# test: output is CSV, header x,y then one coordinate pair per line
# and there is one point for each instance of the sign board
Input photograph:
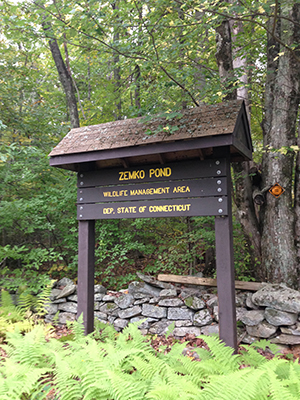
x,y
154,191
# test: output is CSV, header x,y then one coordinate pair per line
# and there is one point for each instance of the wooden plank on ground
x,y
194,280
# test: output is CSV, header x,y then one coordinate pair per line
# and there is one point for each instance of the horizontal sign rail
x,y
153,173
153,191
202,206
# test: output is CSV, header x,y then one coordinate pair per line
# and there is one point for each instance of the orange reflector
x,y
276,190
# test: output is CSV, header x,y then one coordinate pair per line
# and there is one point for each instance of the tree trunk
x,y
246,212
281,107
225,59
64,77
117,71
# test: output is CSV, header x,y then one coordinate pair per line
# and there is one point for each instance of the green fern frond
x,y
6,300
251,357
222,354
264,344
42,299
15,382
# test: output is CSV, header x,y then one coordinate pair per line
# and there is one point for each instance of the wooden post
x,y
86,267
225,268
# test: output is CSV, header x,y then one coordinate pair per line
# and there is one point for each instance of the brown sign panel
x,y
153,173
202,206
152,191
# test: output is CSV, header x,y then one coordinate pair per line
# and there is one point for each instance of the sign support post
x,y
86,268
225,268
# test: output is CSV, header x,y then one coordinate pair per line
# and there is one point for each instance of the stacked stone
x,y
274,315
270,313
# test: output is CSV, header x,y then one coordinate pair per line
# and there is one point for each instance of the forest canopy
x,y
77,63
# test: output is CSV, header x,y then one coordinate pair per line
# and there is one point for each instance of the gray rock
x,y
160,327
124,301
240,300
188,292
98,296
170,302
48,318
100,289
115,312
175,313
65,316
253,317
64,282
213,301
192,330
153,311
262,330
67,291
248,339
216,313
209,330
166,293
184,322
111,319
96,306
154,282
240,312
154,300
202,318
291,330
109,297
69,307
286,339
145,322
51,308
249,302
143,288
130,312
279,297
108,308
100,315
141,301
54,293
59,301
194,303
140,295
277,317
74,297
120,323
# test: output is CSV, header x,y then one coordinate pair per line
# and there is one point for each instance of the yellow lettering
x,y
170,207
107,210
159,172
127,175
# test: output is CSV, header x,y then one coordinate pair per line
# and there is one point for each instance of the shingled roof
x,y
191,133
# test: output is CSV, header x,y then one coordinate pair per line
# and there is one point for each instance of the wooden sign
x,y
121,193
154,191
153,173
200,206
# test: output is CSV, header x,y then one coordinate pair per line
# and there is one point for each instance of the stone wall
x,y
271,313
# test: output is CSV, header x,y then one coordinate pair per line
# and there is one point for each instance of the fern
x,y
111,366
36,303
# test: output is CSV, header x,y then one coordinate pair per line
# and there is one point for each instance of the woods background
x,y
71,63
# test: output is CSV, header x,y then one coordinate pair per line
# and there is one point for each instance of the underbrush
x,y
106,365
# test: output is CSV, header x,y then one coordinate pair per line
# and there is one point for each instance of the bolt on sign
x,y
276,190
124,173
